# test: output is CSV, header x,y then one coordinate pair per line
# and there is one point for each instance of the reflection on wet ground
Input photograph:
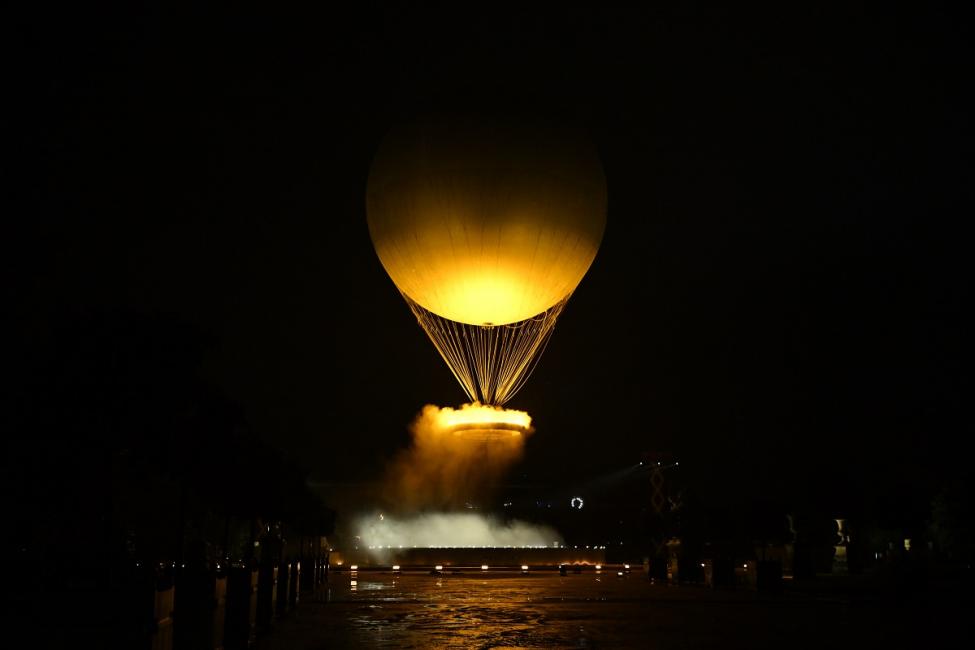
x,y
545,610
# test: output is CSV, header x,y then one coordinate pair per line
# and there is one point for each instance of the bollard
x,y
239,625
284,588
307,585
135,603
267,594
162,632
193,609
768,576
252,613
722,572
658,570
690,570
293,587
219,611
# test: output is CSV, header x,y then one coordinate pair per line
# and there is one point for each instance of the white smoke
x,y
443,471
451,530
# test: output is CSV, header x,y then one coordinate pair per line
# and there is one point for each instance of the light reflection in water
x,y
470,611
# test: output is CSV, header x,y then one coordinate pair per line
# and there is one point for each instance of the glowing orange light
x,y
486,225
486,231
480,421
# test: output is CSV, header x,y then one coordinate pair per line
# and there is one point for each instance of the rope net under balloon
x,y
491,362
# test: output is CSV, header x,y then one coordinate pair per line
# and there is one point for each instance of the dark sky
x,y
777,299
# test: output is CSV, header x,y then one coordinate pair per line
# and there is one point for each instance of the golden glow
x,y
491,363
486,226
480,297
482,421
456,454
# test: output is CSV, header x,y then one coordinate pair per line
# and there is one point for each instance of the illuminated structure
x,y
486,231
480,422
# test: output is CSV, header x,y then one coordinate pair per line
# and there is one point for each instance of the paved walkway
x,y
386,610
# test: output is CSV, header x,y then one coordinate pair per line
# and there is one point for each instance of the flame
x,y
484,417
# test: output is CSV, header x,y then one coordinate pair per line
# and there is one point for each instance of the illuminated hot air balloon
x,y
486,230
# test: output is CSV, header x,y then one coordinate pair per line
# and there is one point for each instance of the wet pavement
x,y
546,610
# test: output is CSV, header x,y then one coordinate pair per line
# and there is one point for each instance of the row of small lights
x,y
485,567
381,547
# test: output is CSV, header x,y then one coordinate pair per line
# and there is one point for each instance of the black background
x,y
777,301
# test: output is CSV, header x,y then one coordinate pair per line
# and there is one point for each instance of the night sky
x,y
777,300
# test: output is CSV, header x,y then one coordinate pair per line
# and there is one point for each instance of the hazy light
x,y
439,567
599,567
484,567
395,567
453,530
354,567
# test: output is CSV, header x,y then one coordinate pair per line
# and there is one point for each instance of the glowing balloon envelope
x,y
486,230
